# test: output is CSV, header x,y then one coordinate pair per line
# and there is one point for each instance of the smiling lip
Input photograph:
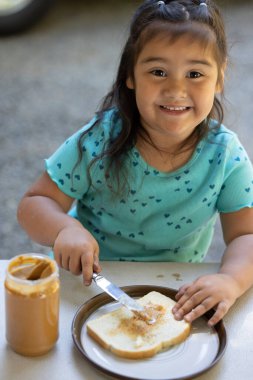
x,y
175,110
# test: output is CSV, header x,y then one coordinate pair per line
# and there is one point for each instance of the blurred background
x,y
53,76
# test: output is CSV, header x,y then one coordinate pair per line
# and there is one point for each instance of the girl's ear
x,y
130,83
221,80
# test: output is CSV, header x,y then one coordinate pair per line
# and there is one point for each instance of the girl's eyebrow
x,y
200,62
164,60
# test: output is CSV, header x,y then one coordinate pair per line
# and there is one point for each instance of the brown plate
x,y
201,351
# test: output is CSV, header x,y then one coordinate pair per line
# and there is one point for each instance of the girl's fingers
x,y
189,296
186,291
207,292
186,305
181,291
199,310
57,258
65,260
221,310
207,304
75,265
96,265
87,267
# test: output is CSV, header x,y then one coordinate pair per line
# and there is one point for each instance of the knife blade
x,y
116,293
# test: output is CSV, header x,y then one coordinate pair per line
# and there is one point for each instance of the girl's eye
x,y
158,73
194,74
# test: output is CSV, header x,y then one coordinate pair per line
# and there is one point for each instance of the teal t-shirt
x,y
165,216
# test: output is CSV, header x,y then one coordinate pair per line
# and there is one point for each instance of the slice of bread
x,y
129,336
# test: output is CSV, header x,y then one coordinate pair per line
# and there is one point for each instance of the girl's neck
x,y
164,158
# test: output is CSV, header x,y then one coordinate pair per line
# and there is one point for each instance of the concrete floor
x,y
53,77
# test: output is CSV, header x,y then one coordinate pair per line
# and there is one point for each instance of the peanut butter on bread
x,y
131,336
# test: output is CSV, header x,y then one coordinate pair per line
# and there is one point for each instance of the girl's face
x,y
175,84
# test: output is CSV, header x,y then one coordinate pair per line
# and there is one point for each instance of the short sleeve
x,y
65,168
237,188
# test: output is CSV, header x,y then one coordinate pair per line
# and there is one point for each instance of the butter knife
x,y
116,293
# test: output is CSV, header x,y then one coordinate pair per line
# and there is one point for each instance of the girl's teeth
x,y
175,108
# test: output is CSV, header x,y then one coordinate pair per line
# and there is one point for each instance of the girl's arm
x,y
235,276
42,213
237,260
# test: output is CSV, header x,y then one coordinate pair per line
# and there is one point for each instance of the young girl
x,y
154,167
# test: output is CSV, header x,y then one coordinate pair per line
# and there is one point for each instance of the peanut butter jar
x,y
32,304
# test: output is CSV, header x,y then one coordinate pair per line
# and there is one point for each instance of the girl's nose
x,y
174,89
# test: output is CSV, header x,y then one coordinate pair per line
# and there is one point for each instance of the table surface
x,y
65,362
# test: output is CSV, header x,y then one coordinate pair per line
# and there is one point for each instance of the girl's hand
x,y
77,251
218,291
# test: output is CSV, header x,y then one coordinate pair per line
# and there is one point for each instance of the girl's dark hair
x,y
198,19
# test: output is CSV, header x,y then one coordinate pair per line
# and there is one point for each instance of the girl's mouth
x,y
175,109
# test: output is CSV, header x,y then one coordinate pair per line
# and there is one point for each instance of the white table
x,y
64,362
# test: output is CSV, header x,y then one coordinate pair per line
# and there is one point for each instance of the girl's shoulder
x,y
224,142
221,135
106,124
220,131
109,121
